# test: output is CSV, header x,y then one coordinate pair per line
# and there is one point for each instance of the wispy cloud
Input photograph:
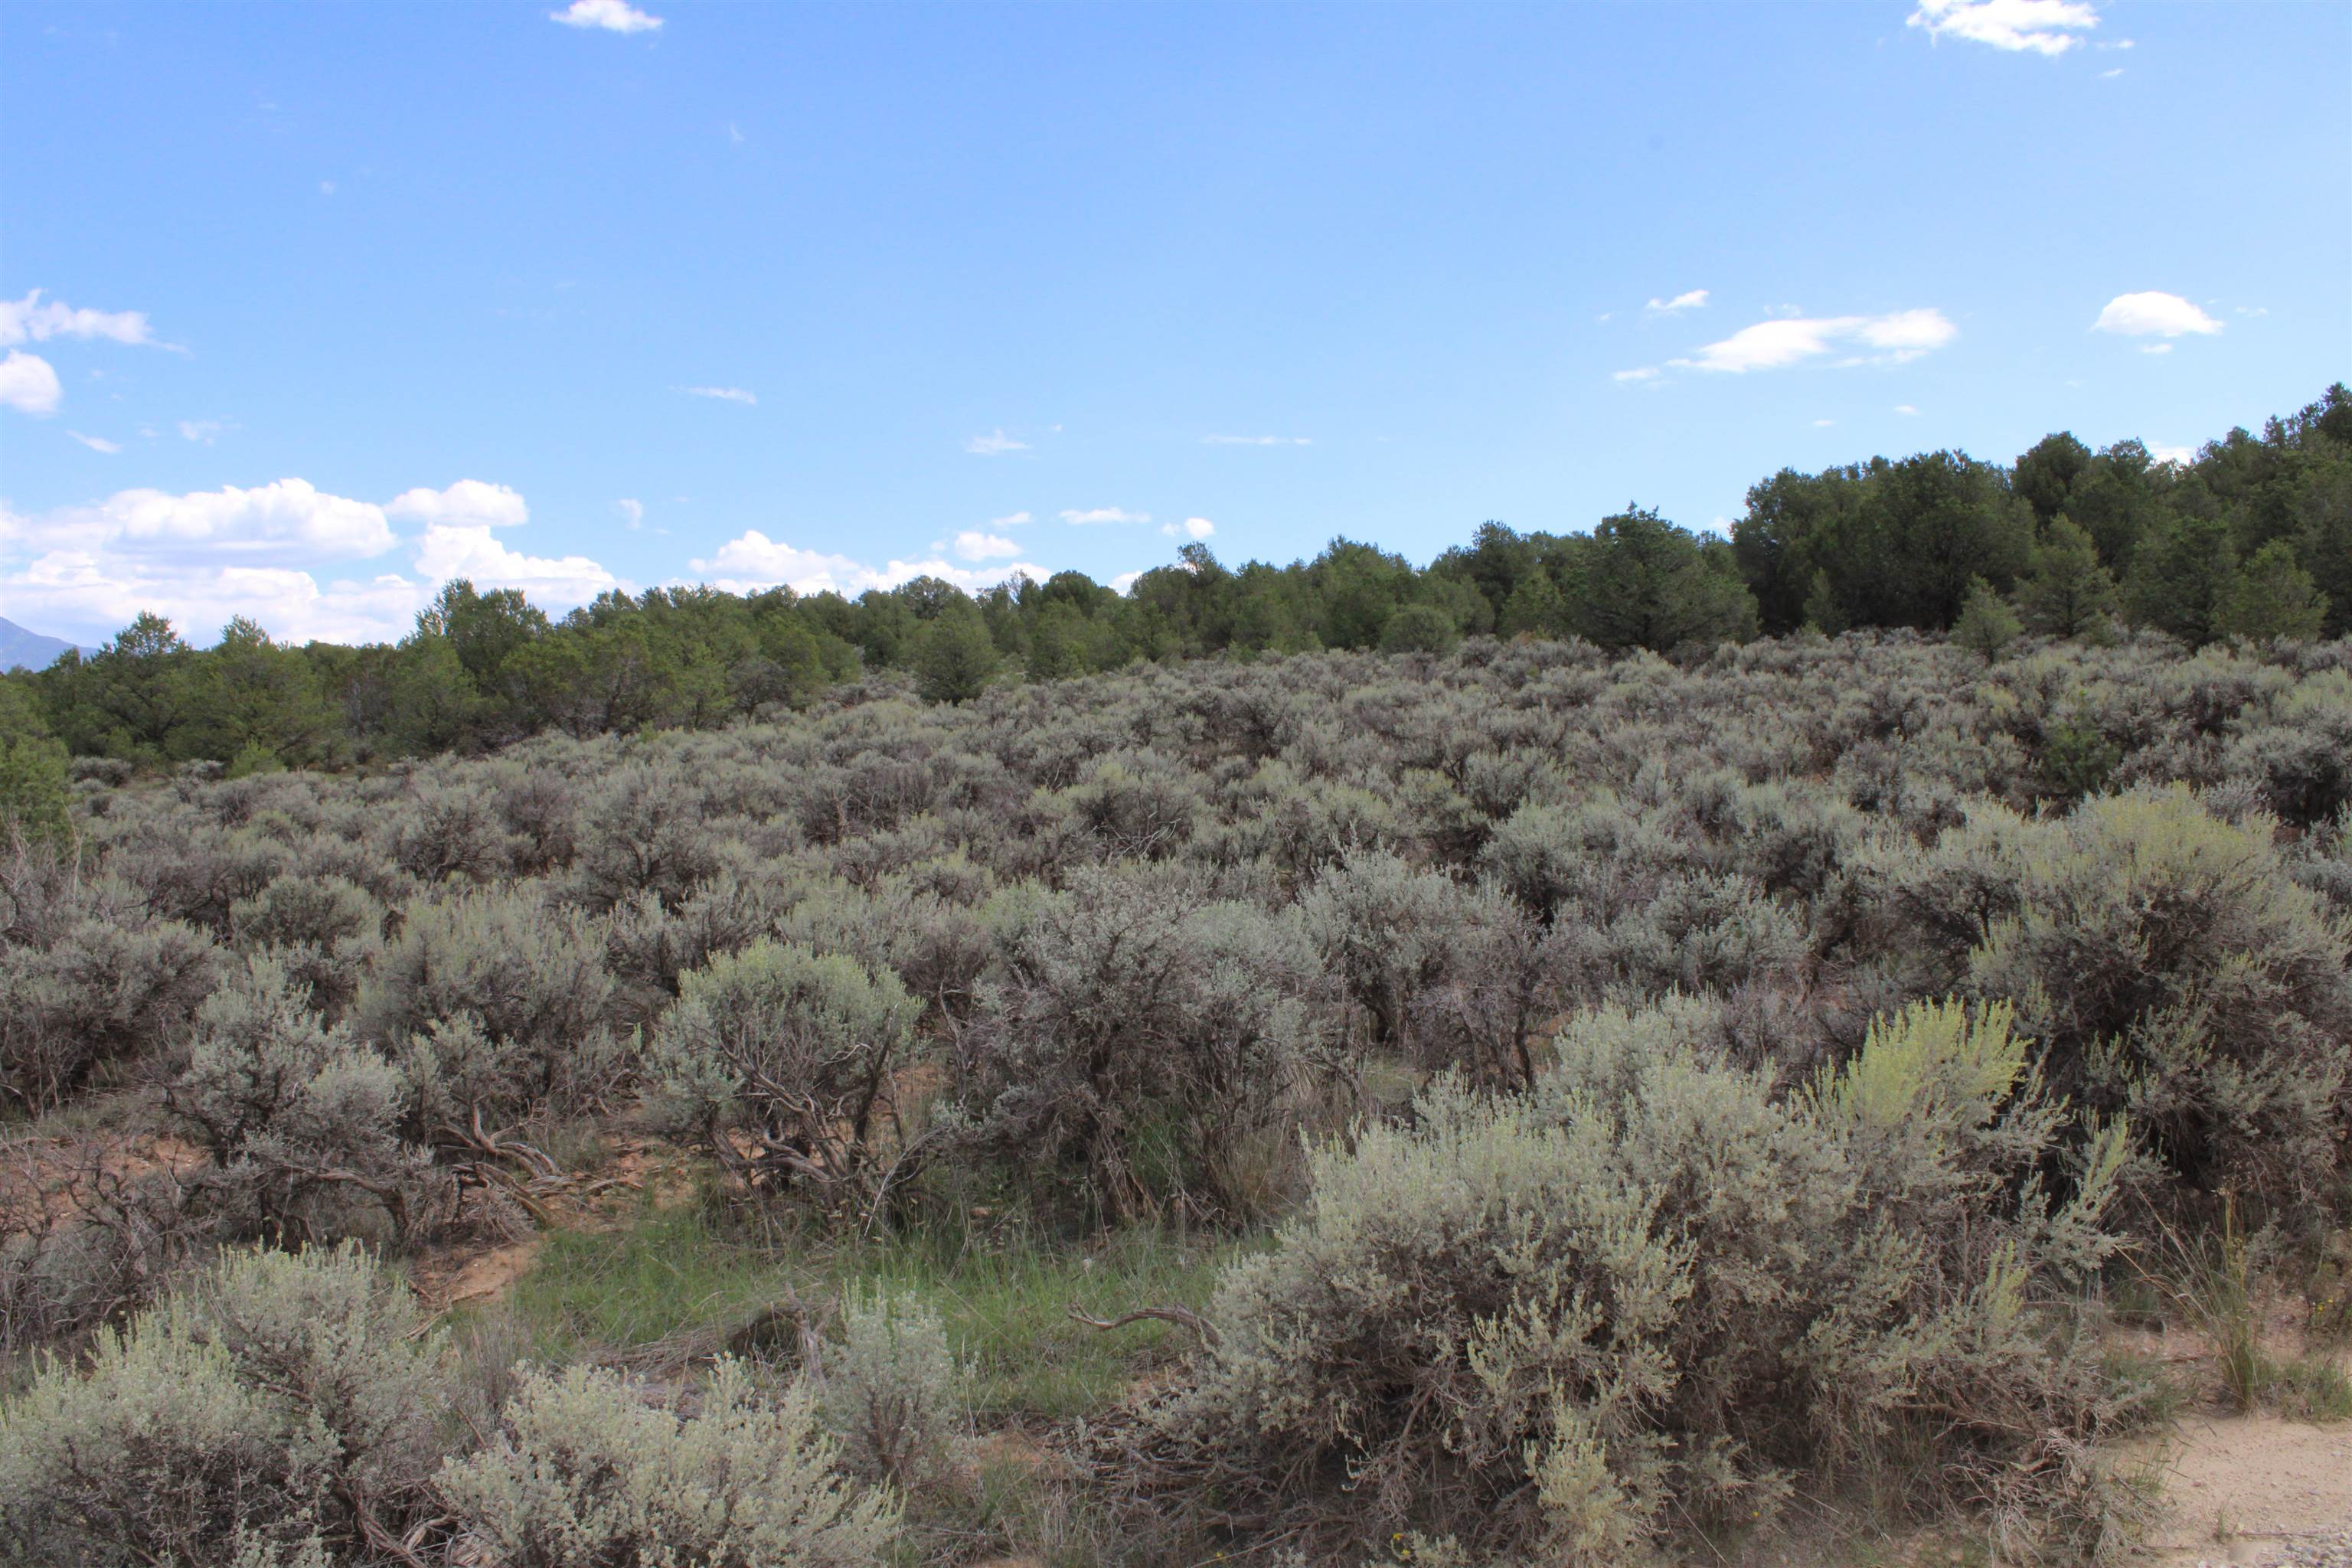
x,y
631,509
1646,372
723,393
995,444
2156,348
96,443
30,319
204,431
1105,514
2153,314
1257,440
1905,410
1011,520
607,15
1891,339
1823,424
1693,300
28,384
1190,528
2020,26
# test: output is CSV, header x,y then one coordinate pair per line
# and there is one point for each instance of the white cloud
x,y
28,384
1646,372
1898,337
326,187
1011,520
1105,514
2110,76
1906,409
83,589
203,557
1258,440
2036,27
2153,314
2252,311
204,430
29,320
994,444
96,443
472,551
1693,300
1823,424
723,393
611,15
975,545
288,517
1123,581
751,560
466,501
634,511
2156,348
2164,454
1190,528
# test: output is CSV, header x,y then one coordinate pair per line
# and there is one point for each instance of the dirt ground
x,y
2252,1490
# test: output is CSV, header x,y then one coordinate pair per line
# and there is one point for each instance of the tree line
x,y
2253,538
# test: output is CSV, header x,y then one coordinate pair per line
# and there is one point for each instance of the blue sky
x,y
309,308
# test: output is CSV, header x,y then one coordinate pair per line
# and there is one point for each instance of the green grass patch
x,y
1005,1304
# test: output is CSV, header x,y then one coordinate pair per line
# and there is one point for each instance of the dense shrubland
x,y
1659,1087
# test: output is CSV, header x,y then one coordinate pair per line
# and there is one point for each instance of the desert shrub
x,y
1138,806
92,1227
2304,754
88,981
939,947
1651,1295
2175,971
651,946
589,1472
641,830
452,829
196,872
1701,932
281,1410
1387,934
1139,1040
893,1394
779,1061
532,977
1596,858
323,929
302,1119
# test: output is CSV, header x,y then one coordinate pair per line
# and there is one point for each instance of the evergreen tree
x,y
1536,609
1986,623
33,788
2178,576
2272,596
2067,592
1823,612
1650,584
953,655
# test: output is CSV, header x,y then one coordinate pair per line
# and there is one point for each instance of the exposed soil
x,y
2247,1490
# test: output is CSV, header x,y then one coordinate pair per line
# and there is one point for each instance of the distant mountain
x,y
21,649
